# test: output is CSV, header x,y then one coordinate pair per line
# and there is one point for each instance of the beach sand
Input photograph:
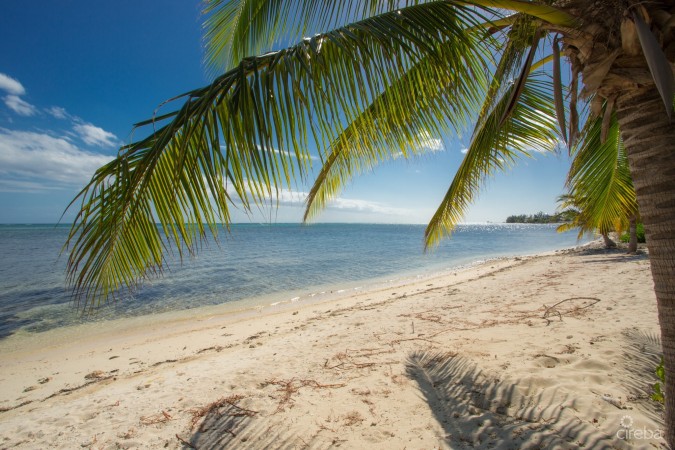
x,y
548,351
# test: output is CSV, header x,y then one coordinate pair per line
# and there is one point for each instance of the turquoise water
x,y
272,261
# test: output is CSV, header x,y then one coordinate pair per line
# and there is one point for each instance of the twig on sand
x,y
553,308
346,362
289,387
398,341
184,442
162,417
66,391
424,315
231,402
347,359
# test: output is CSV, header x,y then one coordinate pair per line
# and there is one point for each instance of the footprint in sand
x,y
546,361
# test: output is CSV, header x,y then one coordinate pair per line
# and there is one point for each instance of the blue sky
x,y
75,75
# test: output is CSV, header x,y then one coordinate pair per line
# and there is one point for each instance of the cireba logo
x,y
627,431
626,422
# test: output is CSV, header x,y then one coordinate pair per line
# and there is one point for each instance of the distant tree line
x,y
540,217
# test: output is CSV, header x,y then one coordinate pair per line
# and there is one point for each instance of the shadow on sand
x,y
642,354
473,409
228,425
478,412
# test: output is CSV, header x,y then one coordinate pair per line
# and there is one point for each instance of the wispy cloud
x,y
10,85
358,205
425,144
19,106
289,197
429,143
93,135
58,112
30,161
13,101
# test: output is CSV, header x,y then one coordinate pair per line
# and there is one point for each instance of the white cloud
x,y
425,144
288,197
10,85
58,112
94,135
31,161
19,106
430,144
464,151
13,100
347,204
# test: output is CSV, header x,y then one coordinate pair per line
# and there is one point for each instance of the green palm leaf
x,y
505,130
599,180
235,29
436,95
240,139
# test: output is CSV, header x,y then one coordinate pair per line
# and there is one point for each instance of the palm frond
x,y
504,130
235,29
240,139
437,95
599,179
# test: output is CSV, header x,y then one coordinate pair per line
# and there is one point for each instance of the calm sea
x,y
270,263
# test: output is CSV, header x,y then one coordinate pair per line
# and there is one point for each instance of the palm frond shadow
x,y
220,427
231,426
642,354
478,412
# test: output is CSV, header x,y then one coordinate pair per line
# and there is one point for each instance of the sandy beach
x,y
547,351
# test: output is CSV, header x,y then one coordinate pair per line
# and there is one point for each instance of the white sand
x,y
466,360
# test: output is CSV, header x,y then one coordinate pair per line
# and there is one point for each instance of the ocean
x,y
253,266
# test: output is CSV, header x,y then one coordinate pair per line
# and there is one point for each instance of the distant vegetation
x,y
540,217
640,231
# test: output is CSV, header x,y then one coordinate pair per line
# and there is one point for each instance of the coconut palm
x,y
379,83
600,194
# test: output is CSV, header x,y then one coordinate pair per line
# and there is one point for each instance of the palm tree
x,y
573,217
384,78
600,194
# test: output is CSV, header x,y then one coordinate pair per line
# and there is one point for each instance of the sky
x,y
76,75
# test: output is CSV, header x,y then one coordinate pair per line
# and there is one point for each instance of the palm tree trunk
x,y
650,143
609,243
632,233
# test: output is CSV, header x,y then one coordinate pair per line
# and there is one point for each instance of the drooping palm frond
x,y
240,139
436,95
235,29
569,214
509,126
599,181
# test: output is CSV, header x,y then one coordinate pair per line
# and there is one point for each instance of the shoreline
x,y
138,382
281,299
299,273
267,304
